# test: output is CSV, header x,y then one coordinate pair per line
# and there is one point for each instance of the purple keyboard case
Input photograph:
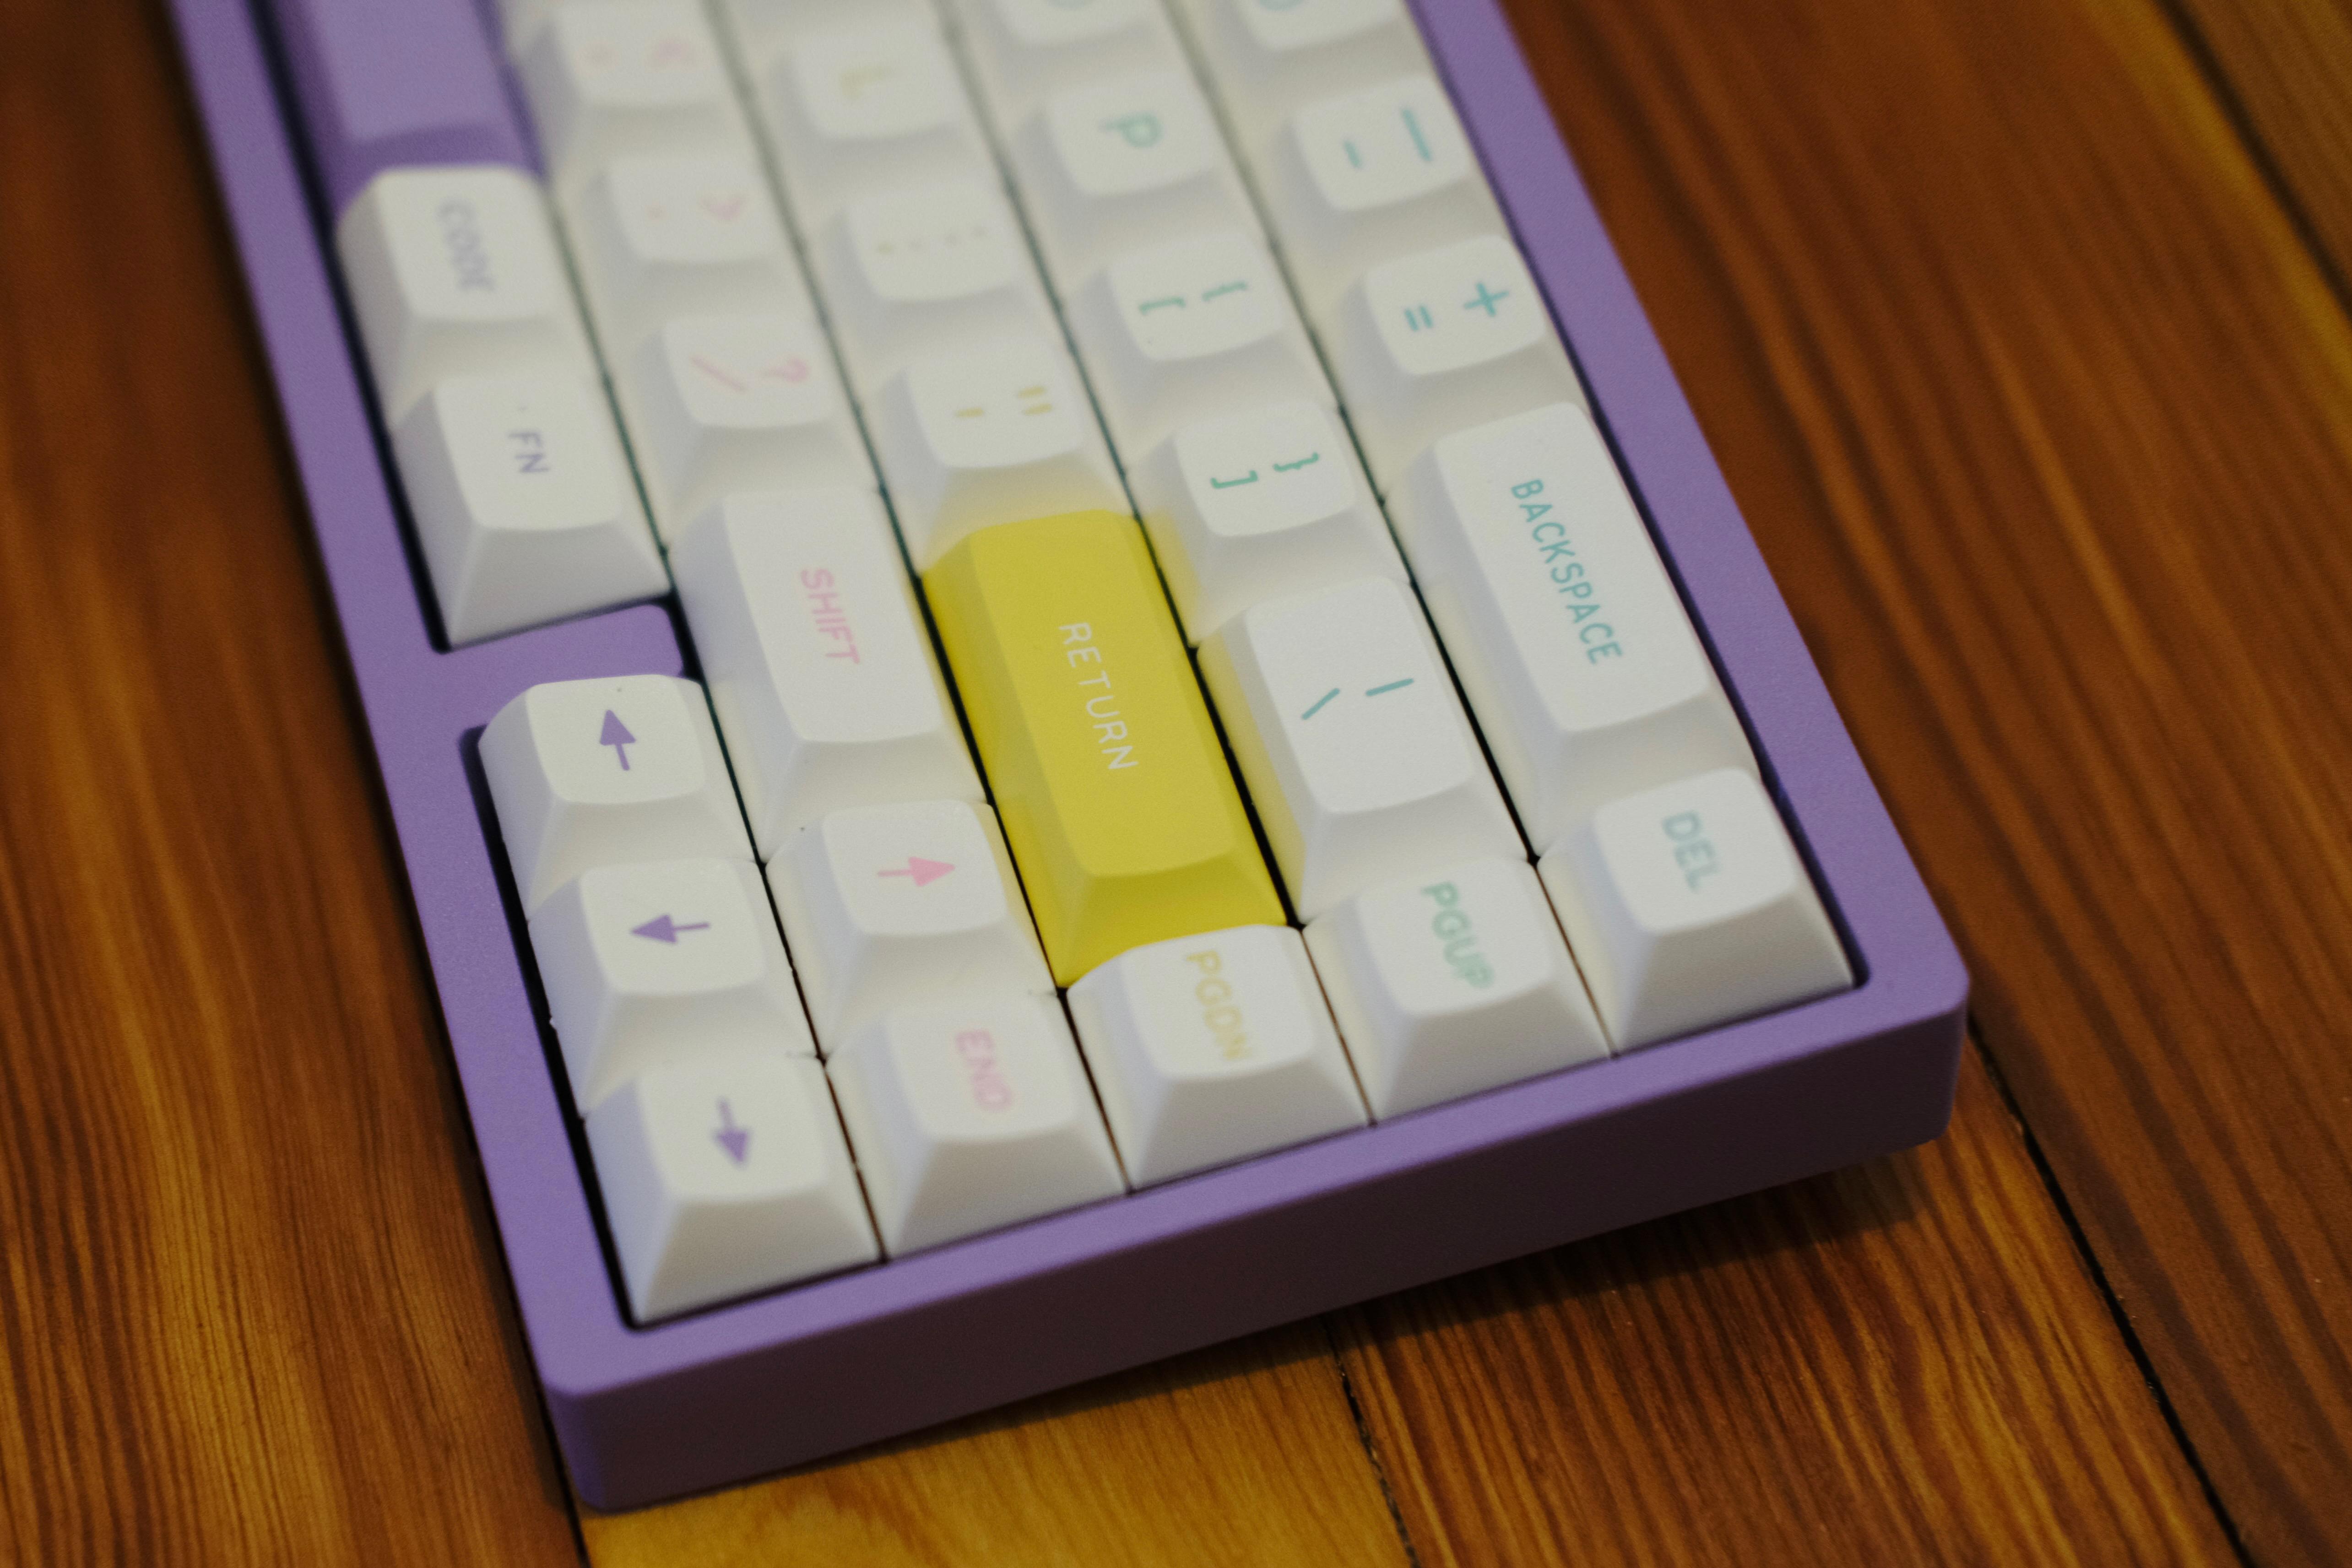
x,y
646,1414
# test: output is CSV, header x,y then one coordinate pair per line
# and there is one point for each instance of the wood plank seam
x,y
1329,1324
2259,152
2097,1273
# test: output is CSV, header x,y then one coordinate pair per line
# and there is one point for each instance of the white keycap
x,y
1211,1049
1370,176
1352,742
890,906
521,20
1022,51
454,272
523,503
1178,331
1689,908
1268,59
764,31
971,1113
610,77
869,108
725,1177
1443,340
722,404
1257,504
1565,630
927,270
604,773
819,665
672,235
1451,982
992,434
663,961
1121,163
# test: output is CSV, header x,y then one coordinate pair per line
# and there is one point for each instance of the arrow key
x,y
601,772
725,1175
887,905
660,962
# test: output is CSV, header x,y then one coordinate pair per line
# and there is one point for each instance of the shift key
x,y
1117,800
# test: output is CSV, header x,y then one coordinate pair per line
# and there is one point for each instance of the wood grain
x,y
2284,67
2040,411
2043,415
251,1310
1244,1455
1901,1363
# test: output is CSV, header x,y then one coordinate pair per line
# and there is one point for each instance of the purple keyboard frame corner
x,y
646,1414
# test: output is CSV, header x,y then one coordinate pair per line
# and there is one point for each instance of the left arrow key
x,y
662,928
663,962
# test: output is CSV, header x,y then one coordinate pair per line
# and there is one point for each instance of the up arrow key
x,y
616,736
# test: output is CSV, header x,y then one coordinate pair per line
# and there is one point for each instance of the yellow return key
x,y
1114,794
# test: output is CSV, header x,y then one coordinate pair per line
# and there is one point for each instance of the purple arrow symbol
x,y
735,1140
662,928
616,736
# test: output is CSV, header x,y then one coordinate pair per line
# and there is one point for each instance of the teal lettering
x,y
1135,130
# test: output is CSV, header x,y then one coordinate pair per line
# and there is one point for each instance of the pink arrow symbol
x,y
735,1140
662,928
716,374
925,873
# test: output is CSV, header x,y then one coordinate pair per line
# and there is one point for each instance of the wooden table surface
x,y
2023,330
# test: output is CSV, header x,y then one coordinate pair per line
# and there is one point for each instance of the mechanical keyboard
x,y
1059,677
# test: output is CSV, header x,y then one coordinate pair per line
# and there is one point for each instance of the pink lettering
x,y
825,613
977,1048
